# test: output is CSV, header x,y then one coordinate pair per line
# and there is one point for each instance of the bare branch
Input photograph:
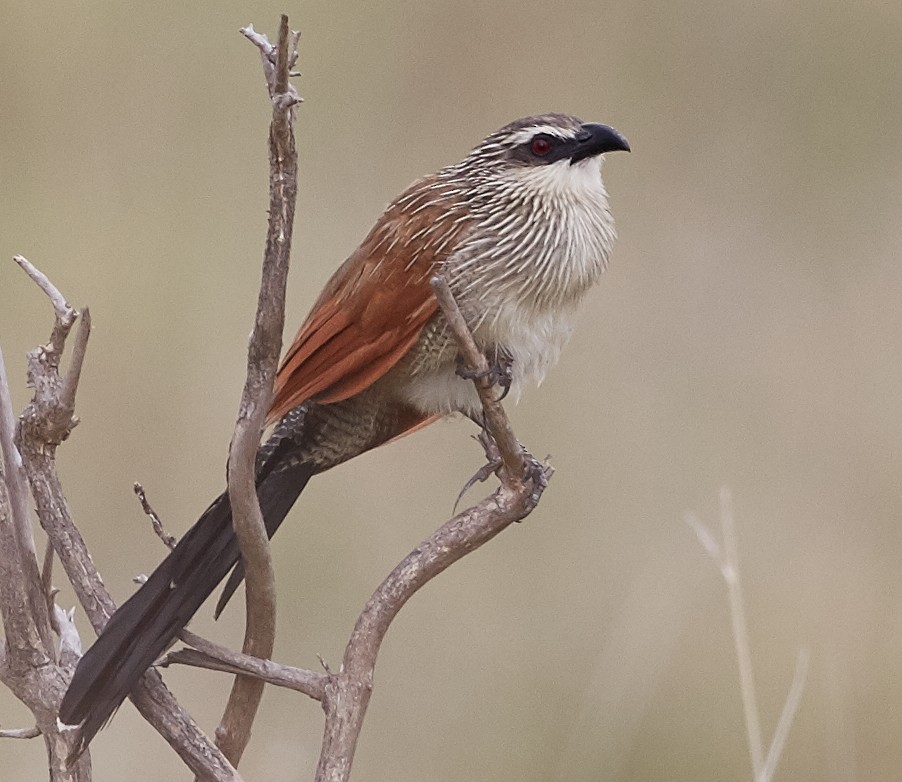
x,y
168,540
265,346
206,654
20,733
25,616
65,314
45,423
160,708
73,374
348,691
269,56
28,665
47,417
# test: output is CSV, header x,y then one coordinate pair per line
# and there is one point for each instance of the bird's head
x,y
559,141
550,159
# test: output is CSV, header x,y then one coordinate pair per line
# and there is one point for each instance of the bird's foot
x,y
499,372
492,464
538,473
480,476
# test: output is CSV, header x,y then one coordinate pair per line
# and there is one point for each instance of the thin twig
x,y
709,544
279,89
730,571
259,40
265,345
727,560
65,314
787,716
76,361
323,664
168,540
19,733
511,452
47,357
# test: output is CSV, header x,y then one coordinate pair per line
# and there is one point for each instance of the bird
x,y
520,228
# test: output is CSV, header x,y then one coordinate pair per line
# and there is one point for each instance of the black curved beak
x,y
594,139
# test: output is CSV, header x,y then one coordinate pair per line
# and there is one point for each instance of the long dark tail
x,y
307,440
147,623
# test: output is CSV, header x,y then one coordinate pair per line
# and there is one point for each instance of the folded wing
x,y
372,310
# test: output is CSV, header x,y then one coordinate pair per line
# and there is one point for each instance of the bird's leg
x,y
499,373
537,471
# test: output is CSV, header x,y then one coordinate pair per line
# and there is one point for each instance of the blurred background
x,y
746,334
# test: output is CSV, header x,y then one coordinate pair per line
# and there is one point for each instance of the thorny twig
x,y
168,540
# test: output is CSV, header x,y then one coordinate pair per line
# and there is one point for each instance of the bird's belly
x,y
533,341
441,391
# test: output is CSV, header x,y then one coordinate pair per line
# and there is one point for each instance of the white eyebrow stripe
x,y
525,134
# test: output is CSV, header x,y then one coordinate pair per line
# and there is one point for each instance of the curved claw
x,y
505,379
538,471
499,372
480,476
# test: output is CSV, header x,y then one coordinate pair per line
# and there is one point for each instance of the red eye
x,y
540,146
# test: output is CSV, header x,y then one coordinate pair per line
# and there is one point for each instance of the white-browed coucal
x,y
520,228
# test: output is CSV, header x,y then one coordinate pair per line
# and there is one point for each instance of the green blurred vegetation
x,y
747,333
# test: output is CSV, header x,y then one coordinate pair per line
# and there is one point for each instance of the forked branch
x,y
265,346
45,423
345,695
50,417
347,692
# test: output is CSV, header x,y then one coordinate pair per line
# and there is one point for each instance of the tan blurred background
x,y
748,333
